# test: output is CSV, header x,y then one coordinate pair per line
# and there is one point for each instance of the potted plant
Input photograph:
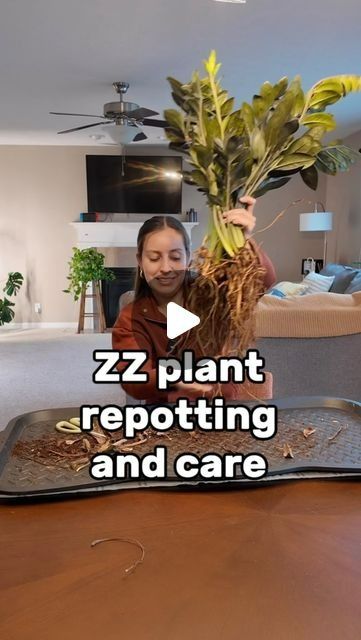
x,y
87,266
12,286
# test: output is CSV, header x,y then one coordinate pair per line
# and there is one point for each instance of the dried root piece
x,y
129,541
287,451
308,431
80,464
331,438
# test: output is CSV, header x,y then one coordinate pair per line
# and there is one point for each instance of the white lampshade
x,y
316,221
121,133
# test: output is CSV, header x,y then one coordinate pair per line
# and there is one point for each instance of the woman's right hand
x,y
195,389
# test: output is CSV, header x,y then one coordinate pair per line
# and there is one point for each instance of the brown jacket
x,y
141,326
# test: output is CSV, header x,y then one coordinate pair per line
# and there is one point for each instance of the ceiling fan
x,y
124,117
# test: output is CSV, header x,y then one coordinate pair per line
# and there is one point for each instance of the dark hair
x,y
157,223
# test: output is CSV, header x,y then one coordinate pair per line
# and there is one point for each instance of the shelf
x,y
112,234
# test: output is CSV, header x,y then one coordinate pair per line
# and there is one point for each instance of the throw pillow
x,y
316,283
343,276
288,289
355,284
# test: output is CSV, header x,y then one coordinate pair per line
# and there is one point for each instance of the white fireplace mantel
x,y
112,234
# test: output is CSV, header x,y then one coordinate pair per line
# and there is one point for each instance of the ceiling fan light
x,y
121,133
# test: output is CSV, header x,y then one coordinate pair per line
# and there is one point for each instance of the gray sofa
x,y
314,366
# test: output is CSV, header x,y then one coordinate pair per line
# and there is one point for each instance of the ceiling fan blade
x,y
86,115
140,136
141,113
150,122
86,126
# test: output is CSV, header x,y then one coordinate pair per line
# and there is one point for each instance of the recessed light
x,y
96,136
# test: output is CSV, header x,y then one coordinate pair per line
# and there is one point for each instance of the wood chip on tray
x,y
308,431
287,451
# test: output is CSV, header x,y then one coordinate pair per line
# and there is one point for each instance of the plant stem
x,y
222,236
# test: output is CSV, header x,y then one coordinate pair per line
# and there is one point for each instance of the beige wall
x,y
42,189
343,197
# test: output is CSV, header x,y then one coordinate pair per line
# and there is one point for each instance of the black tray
x,y
315,457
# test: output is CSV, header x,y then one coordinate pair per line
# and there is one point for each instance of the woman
x,y
164,257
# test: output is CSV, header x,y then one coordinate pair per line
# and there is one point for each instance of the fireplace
x,y
112,290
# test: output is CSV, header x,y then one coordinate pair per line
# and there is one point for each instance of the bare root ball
x,y
224,295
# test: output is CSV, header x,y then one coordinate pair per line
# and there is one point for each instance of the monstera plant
x,y
12,286
246,151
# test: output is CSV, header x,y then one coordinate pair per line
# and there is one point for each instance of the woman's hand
x,y
243,217
195,389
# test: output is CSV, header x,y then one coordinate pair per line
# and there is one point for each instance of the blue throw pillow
x,y
355,284
276,292
343,276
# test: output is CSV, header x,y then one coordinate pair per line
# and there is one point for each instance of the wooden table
x,y
277,562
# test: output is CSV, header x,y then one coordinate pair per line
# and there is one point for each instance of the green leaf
x,y
310,177
280,116
287,130
257,143
281,87
211,63
13,283
260,106
248,118
236,124
174,119
295,161
227,107
6,313
266,90
329,90
336,158
195,177
324,120
270,184
326,166
177,87
303,144
316,132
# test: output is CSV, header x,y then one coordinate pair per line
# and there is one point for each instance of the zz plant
x,y
249,150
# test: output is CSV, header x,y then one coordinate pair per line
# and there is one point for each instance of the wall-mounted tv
x,y
134,184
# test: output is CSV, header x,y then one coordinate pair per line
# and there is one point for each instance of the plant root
x,y
224,295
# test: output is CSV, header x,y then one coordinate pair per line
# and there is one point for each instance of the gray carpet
x,y
45,368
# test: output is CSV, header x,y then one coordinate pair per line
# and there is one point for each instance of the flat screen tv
x,y
134,184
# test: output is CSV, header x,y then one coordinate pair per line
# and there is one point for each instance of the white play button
x,y
179,320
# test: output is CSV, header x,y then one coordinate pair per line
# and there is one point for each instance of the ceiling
x,y
64,56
